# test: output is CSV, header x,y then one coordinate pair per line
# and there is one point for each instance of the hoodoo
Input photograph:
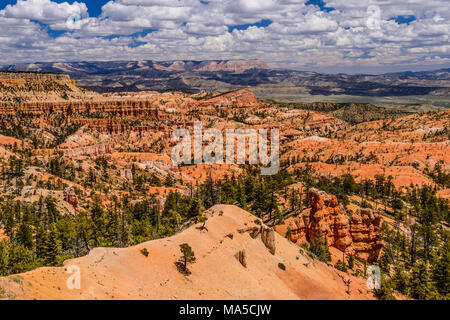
x,y
356,235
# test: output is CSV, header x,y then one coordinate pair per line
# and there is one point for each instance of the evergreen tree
x,y
421,283
24,236
20,259
441,271
50,247
188,255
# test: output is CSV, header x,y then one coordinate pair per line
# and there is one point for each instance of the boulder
x,y
268,238
241,256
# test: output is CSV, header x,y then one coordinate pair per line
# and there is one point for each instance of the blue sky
x,y
353,36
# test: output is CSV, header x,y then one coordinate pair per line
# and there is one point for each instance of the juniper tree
x,y
202,219
188,255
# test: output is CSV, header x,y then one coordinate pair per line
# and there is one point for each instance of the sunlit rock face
x,y
327,219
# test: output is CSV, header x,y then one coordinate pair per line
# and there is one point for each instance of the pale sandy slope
x,y
127,274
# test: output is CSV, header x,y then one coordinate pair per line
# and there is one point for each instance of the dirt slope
x,y
217,274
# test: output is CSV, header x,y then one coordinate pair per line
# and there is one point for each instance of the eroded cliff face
x,y
40,94
117,107
238,98
99,151
357,235
107,126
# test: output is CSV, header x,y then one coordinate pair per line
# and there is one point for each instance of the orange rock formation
x,y
95,151
119,107
326,218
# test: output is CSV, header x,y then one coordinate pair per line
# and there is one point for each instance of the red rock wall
x,y
110,127
326,218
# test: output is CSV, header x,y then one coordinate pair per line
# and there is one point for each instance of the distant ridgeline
x,y
352,113
226,75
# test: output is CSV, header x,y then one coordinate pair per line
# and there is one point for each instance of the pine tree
x,y
20,259
112,230
421,284
10,224
83,231
212,194
4,257
401,279
24,236
188,255
202,219
195,208
241,198
99,221
441,271
51,247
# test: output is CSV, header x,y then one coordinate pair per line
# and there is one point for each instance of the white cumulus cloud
x,y
296,36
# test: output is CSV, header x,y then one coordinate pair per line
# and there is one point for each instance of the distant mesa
x,y
211,66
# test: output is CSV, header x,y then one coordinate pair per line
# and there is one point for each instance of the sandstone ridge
x,y
230,265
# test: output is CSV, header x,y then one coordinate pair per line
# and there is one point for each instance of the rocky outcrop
x,y
364,231
126,174
268,238
324,126
71,197
112,107
241,256
105,126
239,98
327,219
103,151
297,228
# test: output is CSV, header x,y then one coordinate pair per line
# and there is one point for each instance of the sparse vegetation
x,y
188,256
145,252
